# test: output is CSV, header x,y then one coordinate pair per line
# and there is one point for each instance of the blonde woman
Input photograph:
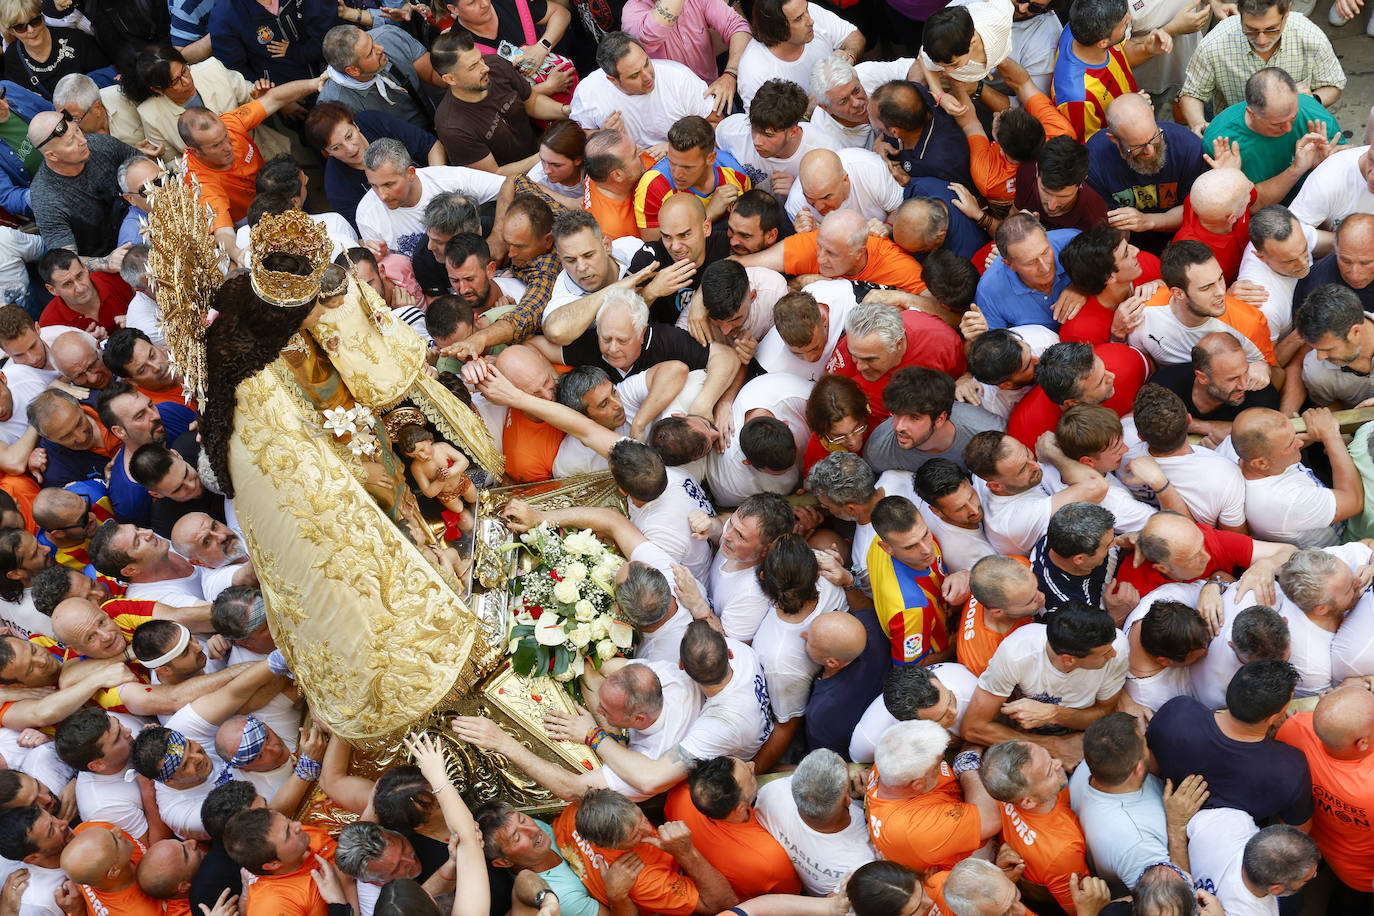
x,y
38,55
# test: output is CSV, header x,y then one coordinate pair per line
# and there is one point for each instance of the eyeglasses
x,y
1252,34
1140,148
82,522
59,131
840,440
33,23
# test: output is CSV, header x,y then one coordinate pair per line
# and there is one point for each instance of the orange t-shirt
x,y
746,854
887,264
530,447
993,173
977,643
111,445
934,830
617,217
132,901
1343,794
294,894
660,888
1242,316
170,396
229,192
1051,845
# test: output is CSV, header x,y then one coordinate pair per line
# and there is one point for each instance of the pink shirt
x,y
684,40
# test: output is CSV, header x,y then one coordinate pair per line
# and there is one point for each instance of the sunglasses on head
x,y
33,23
59,130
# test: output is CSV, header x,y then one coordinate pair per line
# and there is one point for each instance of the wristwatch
x,y
545,43
541,895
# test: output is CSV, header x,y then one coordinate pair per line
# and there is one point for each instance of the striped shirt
x,y
657,186
1082,91
1224,60
909,604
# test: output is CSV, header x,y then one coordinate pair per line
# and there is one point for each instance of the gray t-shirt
x,y
86,210
1330,385
885,454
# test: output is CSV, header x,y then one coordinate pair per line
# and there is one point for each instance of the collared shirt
x,y
538,276
1224,60
1006,302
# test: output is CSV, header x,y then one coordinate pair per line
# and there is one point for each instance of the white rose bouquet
x,y
564,606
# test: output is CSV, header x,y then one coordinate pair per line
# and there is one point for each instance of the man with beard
x,y
1278,257
926,422
591,262
1212,386
215,547
133,419
1143,169
755,222
472,275
130,354
1336,371
175,485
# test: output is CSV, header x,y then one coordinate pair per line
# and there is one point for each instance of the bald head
x,y
96,858
82,625
166,869
1129,110
528,370
42,125
1167,534
1218,343
1220,194
1344,721
1259,432
1356,232
835,639
824,181
682,208
920,224
77,356
844,229
55,507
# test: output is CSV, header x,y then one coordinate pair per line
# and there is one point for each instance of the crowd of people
x,y
971,375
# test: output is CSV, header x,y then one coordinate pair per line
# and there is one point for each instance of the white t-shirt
x,y
1022,661
1212,487
538,176
1169,343
214,581
281,713
787,668
1216,846
176,592
1000,402
664,521
645,119
1352,646
873,192
681,706
960,547
180,808
1172,680
1213,672
565,288
768,286
38,899
837,296
823,860
1014,523
1278,308
736,721
758,65
142,314
665,642
877,719
401,228
25,619
17,250
1293,507
872,74
735,137
784,396
1309,644
1130,513
340,233
1034,45
101,797
740,603
1334,190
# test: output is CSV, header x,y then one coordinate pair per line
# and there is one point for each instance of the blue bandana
x,y
176,752
254,736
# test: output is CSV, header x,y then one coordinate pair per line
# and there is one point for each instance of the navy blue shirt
x,y
346,186
942,149
963,237
839,701
1122,186
1323,272
131,501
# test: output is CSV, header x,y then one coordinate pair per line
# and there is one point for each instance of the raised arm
x,y
349,792
499,390
66,700
721,367
520,517
225,702
665,381
475,899
278,97
486,734
165,699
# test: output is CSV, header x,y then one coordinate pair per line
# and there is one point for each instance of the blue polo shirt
x,y
1007,302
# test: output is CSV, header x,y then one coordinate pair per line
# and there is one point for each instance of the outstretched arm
x,y
486,734
520,517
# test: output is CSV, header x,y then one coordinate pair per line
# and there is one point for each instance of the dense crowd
x,y
971,373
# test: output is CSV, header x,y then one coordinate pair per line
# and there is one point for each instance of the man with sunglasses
x,y
1263,35
75,194
68,516
133,176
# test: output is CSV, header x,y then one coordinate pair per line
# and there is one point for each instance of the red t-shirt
x,y
929,342
114,302
1036,413
1226,550
1093,323
1228,248
1088,211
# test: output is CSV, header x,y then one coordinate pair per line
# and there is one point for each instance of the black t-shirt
x,y
508,25
433,854
1323,272
839,701
1179,380
662,342
216,873
1061,587
73,51
668,308
167,512
496,126
1262,778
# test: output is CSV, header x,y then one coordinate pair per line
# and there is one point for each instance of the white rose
x,y
524,618
575,571
566,592
606,649
601,627
548,631
580,635
603,578
622,634
565,675
575,668
579,543
584,610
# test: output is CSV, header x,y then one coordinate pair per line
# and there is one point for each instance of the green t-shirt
x,y
1261,158
14,130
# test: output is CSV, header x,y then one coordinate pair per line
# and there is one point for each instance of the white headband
x,y
183,640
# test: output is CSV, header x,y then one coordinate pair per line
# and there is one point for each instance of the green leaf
x,y
520,631
526,658
541,663
560,659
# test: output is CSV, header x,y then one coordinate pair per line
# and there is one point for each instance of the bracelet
x,y
545,43
938,97
967,761
435,790
730,72
307,769
595,737
1167,485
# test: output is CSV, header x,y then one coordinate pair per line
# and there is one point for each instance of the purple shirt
x,y
684,41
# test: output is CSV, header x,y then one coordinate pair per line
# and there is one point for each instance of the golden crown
x,y
292,232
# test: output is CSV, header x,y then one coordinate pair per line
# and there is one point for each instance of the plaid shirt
x,y
538,275
1224,60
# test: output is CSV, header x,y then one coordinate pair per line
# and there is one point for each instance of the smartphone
x,y
509,51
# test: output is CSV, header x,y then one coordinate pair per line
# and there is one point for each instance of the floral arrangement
x,y
353,424
564,606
